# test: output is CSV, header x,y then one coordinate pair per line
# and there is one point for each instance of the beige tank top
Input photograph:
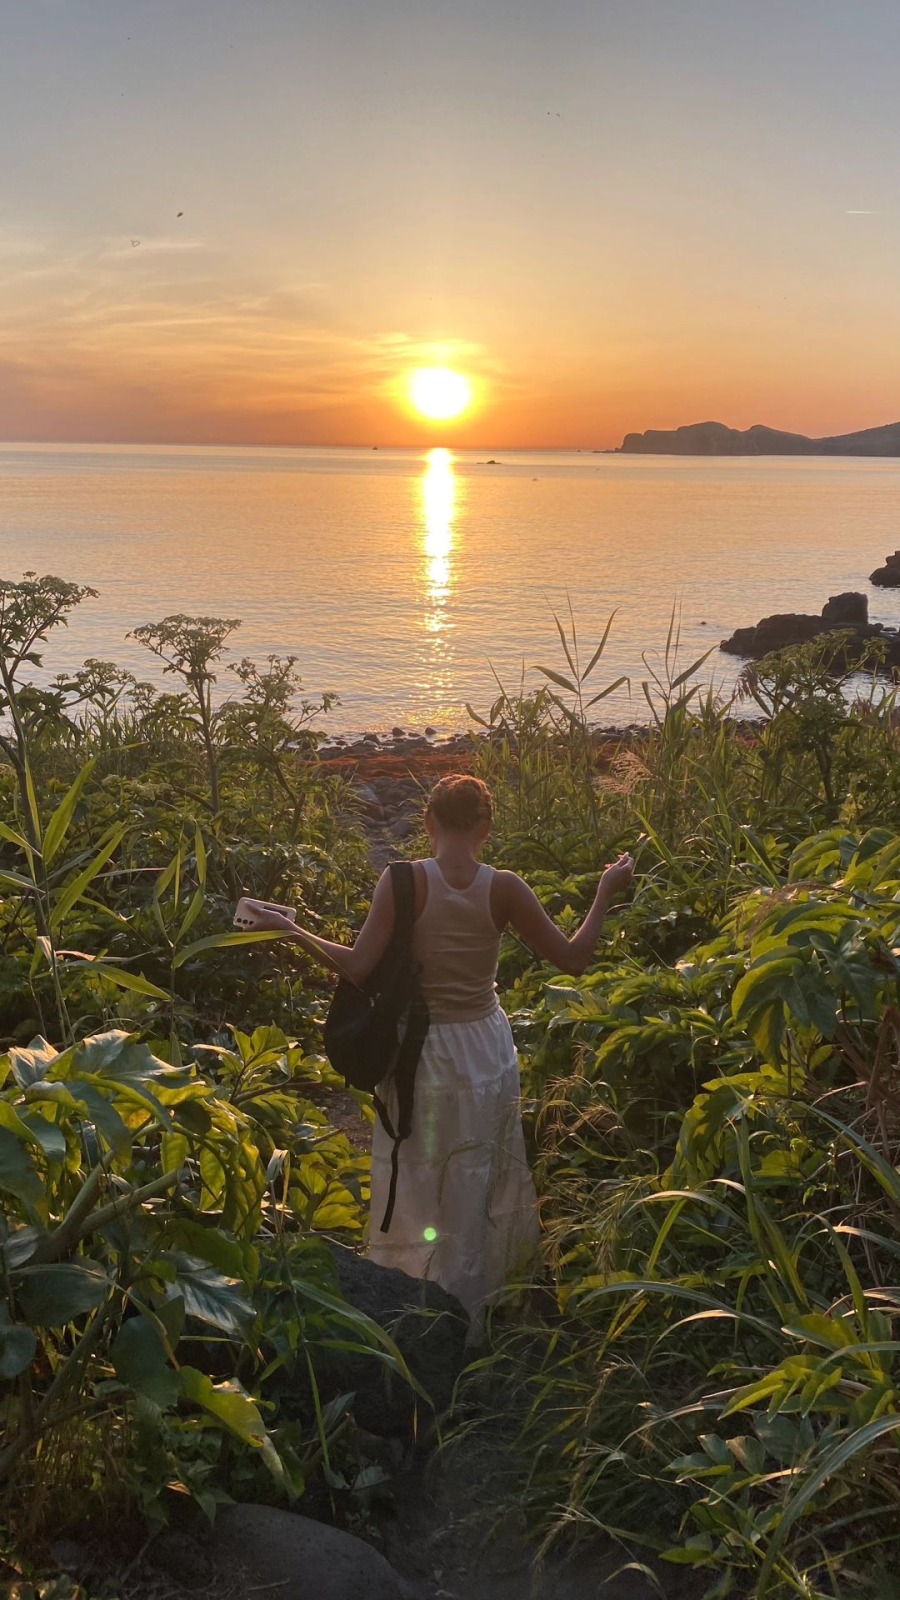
x,y
457,944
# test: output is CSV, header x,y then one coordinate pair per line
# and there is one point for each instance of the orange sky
x,y
611,216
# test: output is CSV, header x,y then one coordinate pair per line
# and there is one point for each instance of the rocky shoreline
x,y
846,615
393,772
888,576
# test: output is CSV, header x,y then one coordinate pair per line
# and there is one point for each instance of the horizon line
x,y
230,444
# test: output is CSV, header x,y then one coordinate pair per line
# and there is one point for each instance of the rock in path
x,y
427,1324
295,1558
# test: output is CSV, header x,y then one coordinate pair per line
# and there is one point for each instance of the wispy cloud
x,y
176,339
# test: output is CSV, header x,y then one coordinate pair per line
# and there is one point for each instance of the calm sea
x,y
409,582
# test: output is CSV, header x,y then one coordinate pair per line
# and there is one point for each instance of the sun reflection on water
x,y
438,572
439,508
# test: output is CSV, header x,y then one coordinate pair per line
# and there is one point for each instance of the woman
x,y
466,1211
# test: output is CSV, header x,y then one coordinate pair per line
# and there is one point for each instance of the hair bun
x,y
461,802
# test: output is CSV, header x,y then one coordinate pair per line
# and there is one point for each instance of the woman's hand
x,y
266,921
616,878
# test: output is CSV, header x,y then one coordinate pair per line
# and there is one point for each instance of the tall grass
x,y
709,1373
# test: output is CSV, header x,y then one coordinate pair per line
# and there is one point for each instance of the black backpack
x,y
375,1033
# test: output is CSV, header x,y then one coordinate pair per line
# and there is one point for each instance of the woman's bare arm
x,y
357,961
523,911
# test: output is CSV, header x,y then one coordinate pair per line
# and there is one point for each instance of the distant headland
x,y
715,439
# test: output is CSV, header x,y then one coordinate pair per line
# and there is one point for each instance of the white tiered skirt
x,y
466,1209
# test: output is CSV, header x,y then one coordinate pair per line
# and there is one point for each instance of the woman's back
x,y
456,942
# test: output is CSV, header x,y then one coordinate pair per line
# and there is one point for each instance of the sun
x,y
439,394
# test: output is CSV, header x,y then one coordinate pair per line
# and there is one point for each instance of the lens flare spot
x,y
430,1234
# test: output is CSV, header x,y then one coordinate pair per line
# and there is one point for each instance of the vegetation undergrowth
x,y
709,1368
167,1171
706,1367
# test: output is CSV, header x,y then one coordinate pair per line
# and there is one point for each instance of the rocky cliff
x,y
715,439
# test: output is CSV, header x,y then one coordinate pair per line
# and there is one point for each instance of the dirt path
x,y
442,1534
445,1538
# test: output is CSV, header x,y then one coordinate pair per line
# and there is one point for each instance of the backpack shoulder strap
x,y
404,887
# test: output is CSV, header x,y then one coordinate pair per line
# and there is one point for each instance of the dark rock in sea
x,y
888,576
846,610
777,632
398,733
430,733
844,615
281,1553
427,1324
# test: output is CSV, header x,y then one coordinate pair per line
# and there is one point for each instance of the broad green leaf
x,y
200,857
14,838
133,981
139,1360
600,648
106,1119
171,1316
72,891
222,941
196,1239
58,826
49,1135
122,1058
750,1452
14,880
20,1245
198,900
54,1295
834,1333
163,882
695,1553
32,1063
43,951
233,1407
51,1094
212,1297
689,671
565,643
610,689
17,1173
213,1176
193,1116
10,1119
557,678
199,897
18,1347
31,800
